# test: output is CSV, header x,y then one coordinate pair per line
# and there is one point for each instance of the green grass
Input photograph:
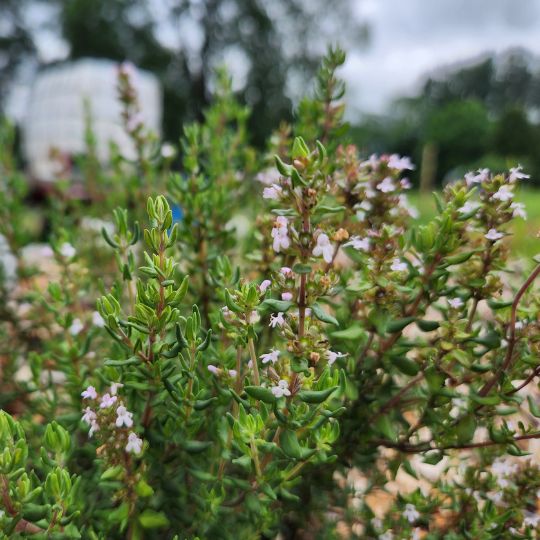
x,y
524,240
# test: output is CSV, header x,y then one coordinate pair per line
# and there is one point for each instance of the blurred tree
x,y
182,41
460,130
16,43
508,79
514,135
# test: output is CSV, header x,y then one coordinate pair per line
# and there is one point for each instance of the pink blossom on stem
x,y
272,356
264,285
89,393
277,320
134,444
107,401
280,234
124,417
324,248
281,389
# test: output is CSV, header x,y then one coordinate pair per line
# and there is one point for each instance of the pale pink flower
x,y
124,417
277,320
107,401
67,250
264,285
274,192
272,356
281,389
324,248
89,393
372,162
89,416
410,513
518,210
365,205
333,356
400,163
483,175
387,185
97,320
516,173
360,244
398,265
114,388
287,296
76,327
493,235
213,369
455,303
503,194
268,176
233,373
280,234
405,183
94,426
134,443
468,207
286,271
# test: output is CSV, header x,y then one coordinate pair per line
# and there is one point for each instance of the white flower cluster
x,y
501,469
504,193
107,403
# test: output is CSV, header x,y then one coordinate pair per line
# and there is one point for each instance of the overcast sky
x,y
409,38
412,37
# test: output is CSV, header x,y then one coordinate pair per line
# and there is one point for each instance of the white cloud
x,y
412,37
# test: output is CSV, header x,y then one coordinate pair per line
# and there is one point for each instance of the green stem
x,y
253,357
255,456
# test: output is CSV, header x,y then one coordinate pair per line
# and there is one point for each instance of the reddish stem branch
x,y
512,338
427,446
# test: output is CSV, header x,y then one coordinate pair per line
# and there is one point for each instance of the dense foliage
x,y
262,344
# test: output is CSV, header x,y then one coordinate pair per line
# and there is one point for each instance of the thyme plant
x,y
185,375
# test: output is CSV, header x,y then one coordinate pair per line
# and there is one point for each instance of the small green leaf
x,y
202,404
260,393
399,324
427,326
143,489
289,444
112,473
322,315
302,268
352,333
485,400
385,426
460,258
499,304
533,407
432,458
230,303
316,396
150,519
277,305
465,429
196,447
322,209
406,365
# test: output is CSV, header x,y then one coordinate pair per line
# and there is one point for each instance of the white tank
x,y
56,115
